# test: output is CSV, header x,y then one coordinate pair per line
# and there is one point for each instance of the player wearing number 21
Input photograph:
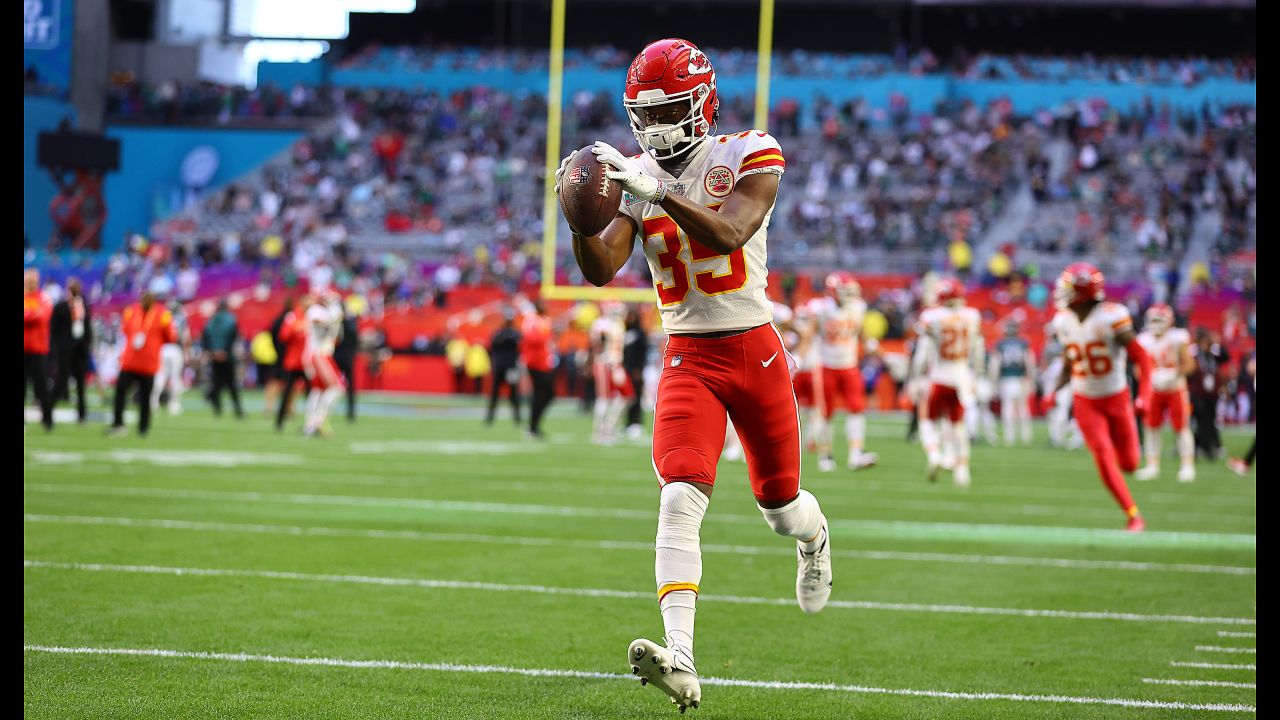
x,y
699,205
1096,336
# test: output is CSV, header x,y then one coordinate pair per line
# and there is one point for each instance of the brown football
x,y
588,199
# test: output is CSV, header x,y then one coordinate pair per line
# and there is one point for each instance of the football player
x,y
1096,336
698,204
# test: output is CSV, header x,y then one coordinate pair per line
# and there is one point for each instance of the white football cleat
x,y
813,574
1147,472
931,468
670,669
1187,473
863,460
826,464
961,476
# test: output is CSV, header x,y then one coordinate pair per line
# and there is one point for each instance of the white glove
x,y
640,185
560,171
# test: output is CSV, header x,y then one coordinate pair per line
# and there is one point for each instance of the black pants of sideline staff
x,y
291,378
72,365
1204,410
348,370
503,376
544,389
222,376
635,414
36,374
124,384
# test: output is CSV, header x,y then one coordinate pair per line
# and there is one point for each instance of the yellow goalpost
x,y
550,208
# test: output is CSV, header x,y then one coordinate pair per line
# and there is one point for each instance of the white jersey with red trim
x,y
839,329
700,290
952,332
607,337
1097,358
323,327
1166,358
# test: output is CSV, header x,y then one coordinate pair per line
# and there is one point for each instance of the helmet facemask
x,y
669,140
1158,322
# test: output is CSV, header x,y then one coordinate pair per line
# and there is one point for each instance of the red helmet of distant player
x,y
950,292
843,287
1159,318
1079,283
665,72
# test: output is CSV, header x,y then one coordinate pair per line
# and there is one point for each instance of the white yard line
x,y
1201,683
631,594
588,675
1233,650
570,543
1212,666
892,528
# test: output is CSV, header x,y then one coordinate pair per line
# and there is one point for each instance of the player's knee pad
x,y
801,518
679,556
684,464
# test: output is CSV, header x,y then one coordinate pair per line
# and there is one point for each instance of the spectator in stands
x,y
36,311
147,326
504,353
218,340
71,328
536,354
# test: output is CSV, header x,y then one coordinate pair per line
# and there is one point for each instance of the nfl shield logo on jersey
x,y
675,361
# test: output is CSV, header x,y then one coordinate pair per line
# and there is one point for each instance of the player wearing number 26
x,y
1096,336
698,203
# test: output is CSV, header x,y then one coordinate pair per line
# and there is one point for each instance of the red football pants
x,y
1111,432
843,385
745,376
1175,403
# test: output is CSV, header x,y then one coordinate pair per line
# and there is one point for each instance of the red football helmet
x,y
1159,318
1079,283
668,71
843,286
950,291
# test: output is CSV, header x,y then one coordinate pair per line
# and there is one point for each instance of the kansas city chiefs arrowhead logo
x,y
719,181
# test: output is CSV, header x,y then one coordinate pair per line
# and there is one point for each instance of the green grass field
x,y
420,565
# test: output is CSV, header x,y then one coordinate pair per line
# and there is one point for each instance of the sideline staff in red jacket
x,y
146,327
36,309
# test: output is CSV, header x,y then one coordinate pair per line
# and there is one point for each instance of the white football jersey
x,y
1097,359
953,331
607,336
700,290
323,326
1166,352
839,330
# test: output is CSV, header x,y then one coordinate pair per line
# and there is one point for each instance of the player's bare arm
x,y
600,257
735,222
1186,361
